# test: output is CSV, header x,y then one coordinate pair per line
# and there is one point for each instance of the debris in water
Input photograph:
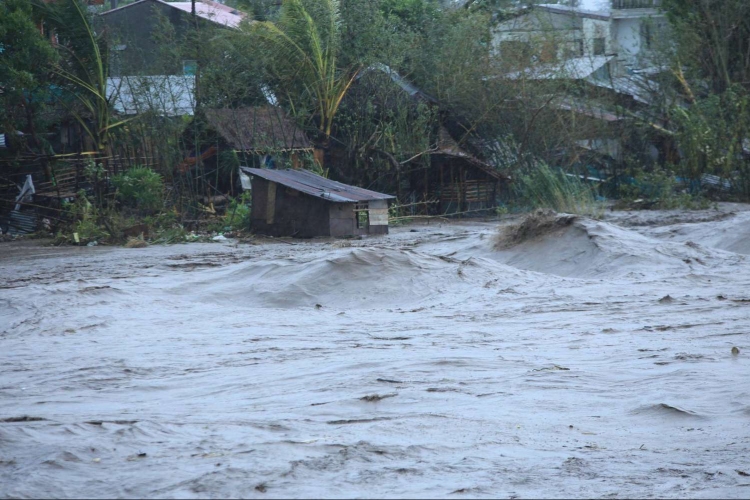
x,y
552,368
735,351
136,243
24,418
537,223
357,420
377,397
743,473
667,299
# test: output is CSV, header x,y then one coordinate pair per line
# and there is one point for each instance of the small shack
x,y
457,181
302,204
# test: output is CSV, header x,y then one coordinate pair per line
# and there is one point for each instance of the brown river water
x,y
593,361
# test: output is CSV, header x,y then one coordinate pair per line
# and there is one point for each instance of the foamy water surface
x,y
594,361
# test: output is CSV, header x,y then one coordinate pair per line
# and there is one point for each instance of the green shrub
x,y
166,228
140,187
659,189
238,212
543,187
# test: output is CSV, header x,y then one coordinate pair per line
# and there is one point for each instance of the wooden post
x,y
319,155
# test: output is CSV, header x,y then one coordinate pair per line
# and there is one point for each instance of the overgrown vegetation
x,y
374,83
544,187
140,188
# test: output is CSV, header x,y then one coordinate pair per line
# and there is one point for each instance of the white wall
x,y
627,34
596,28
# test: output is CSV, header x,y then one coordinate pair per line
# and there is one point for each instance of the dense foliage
x,y
375,82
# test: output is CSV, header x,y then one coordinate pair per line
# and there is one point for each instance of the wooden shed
x,y
302,204
457,181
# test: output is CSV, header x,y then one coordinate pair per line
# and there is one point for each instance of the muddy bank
x,y
593,360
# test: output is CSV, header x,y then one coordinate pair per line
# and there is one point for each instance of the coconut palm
x,y
83,66
301,50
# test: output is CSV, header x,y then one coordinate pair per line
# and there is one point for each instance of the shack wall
x,y
342,220
378,217
281,211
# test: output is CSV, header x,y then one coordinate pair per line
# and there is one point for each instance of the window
x,y
515,53
574,48
549,52
646,35
600,46
362,212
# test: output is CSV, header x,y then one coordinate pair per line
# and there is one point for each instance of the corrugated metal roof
x,y
307,182
165,95
205,9
577,68
637,86
19,222
446,145
406,86
594,9
213,11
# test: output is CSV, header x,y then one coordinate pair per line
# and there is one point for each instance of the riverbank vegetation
x,y
375,84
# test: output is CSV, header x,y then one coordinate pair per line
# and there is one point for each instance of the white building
x,y
617,33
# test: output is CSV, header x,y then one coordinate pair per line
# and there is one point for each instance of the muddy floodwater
x,y
593,360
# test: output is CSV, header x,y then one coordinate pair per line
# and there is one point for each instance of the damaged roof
x,y
262,130
307,182
446,145
576,68
205,9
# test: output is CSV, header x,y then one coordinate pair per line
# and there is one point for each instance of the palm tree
x,y
301,50
83,66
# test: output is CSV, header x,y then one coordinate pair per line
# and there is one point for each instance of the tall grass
x,y
542,187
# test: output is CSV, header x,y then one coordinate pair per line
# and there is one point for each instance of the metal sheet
x,y
315,185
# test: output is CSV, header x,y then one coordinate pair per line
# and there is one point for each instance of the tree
x,y
301,51
712,74
25,59
713,39
82,67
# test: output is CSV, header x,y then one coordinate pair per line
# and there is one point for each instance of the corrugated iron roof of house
x,y
165,95
576,68
205,9
601,12
448,146
261,130
307,182
213,11
405,85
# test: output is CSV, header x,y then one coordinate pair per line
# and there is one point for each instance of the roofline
x,y
256,173
163,2
130,5
574,12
